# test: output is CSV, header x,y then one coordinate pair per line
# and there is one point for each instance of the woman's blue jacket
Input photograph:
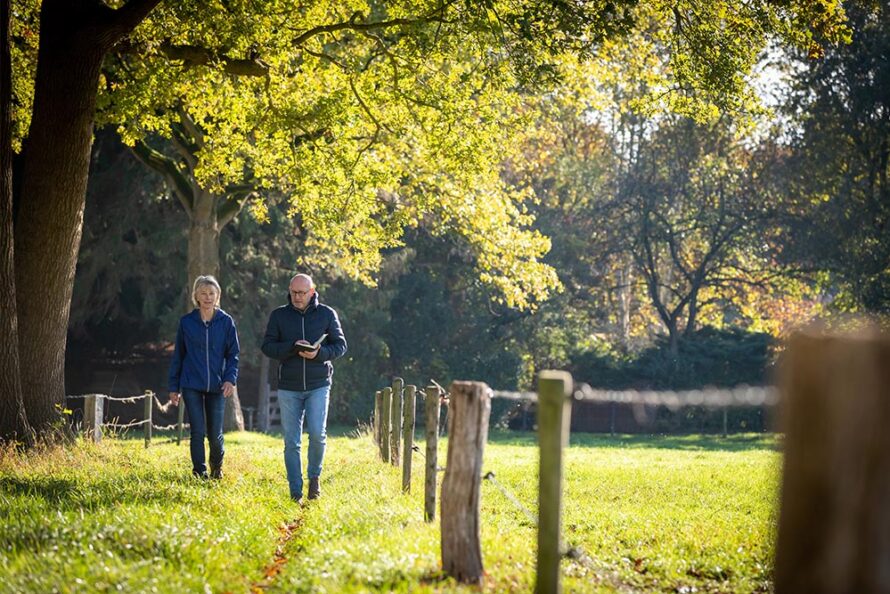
x,y
206,353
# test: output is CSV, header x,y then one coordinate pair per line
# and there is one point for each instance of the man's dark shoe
x,y
216,472
314,488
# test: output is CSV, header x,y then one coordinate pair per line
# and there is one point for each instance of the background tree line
x,y
684,244
434,151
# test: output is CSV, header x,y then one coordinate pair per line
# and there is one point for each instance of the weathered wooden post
x,y
470,405
149,404
386,420
396,420
432,453
554,418
93,414
834,522
180,417
263,401
408,437
378,422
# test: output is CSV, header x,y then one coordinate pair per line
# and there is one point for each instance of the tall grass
x,y
651,514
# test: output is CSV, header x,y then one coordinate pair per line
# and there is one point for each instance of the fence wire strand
x,y
708,397
125,425
489,476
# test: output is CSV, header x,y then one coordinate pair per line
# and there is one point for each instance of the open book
x,y
304,348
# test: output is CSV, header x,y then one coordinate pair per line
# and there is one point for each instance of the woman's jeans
x,y
206,411
314,403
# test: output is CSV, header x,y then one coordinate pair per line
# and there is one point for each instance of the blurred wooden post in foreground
x,y
432,447
834,522
398,385
148,402
93,414
263,401
470,405
385,424
180,417
408,437
554,417
378,409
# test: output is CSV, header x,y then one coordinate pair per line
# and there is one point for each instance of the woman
x,y
204,372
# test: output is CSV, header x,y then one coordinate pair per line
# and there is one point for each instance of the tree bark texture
x,y
203,242
470,405
834,523
13,420
54,179
233,418
74,37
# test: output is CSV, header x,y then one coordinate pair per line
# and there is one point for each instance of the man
x,y
304,376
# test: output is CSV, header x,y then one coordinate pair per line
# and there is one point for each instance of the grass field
x,y
652,514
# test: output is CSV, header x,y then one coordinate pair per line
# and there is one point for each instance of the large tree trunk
x,y
625,299
13,420
203,258
203,250
74,37
47,233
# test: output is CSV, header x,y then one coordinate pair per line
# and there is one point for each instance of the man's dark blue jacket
x,y
287,325
206,354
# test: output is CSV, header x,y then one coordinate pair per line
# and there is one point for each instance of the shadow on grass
x,y
110,491
711,443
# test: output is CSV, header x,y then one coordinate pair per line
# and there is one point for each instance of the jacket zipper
x,y
207,351
303,322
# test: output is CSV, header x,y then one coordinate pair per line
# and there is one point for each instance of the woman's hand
x,y
174,398
228,389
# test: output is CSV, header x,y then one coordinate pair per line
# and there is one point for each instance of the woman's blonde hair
x,y
207,280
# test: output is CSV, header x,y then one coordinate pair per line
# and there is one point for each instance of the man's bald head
x,y
301,290
304,279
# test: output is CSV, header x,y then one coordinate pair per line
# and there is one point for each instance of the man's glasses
x,y
299,293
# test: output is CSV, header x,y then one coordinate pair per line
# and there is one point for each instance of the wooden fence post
x,y
180,417
554,418
396,420
408,437
470,405
834,519
93,414
378,422
386,420
432,447
149,404
263,401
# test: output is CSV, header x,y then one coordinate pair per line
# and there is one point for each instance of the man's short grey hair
x,y
303,276
207,280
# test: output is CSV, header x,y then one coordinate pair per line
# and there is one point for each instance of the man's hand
x,y
306,354
174,398
228,389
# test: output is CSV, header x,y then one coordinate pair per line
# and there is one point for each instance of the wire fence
x,y
740,396
94,422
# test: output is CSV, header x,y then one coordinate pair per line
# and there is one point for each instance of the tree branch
x,y
353,25
125,19
164,165
194,55
232,204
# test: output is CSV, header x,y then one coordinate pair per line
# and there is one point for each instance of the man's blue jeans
x,y
314,404
205,411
